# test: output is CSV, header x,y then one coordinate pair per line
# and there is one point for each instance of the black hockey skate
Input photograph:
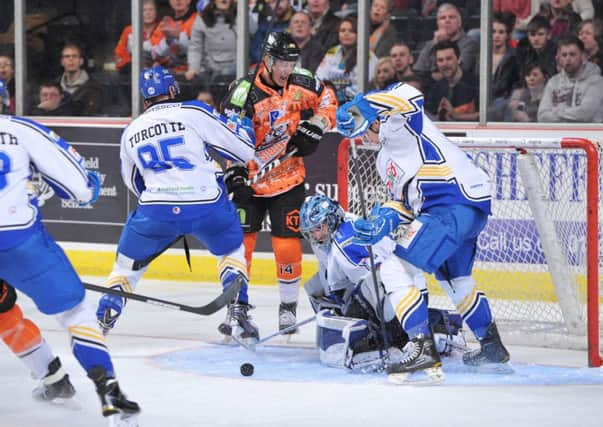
x,y
420,356
113,401
239,325
491,353
55,385
287,316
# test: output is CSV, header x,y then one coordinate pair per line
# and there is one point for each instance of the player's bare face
x,y
319,234
281,70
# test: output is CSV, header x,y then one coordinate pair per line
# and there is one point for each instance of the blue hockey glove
x,y
108,311
355,117
94,183
380,224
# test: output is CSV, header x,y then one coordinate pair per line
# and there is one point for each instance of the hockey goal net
x,y
537,259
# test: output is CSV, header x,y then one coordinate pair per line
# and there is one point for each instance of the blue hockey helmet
x,y
317,210
157,81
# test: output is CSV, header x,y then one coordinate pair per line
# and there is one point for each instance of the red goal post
x,y
538,258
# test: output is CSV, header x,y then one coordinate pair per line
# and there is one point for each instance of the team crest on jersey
x,y
275,115
391,176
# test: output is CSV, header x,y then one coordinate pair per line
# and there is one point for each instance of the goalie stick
x,y
212,307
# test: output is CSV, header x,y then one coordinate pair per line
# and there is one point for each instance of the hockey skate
x,y
55,386
421,364
287,317
492,356
120,411
239,325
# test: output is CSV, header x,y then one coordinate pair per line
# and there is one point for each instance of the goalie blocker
x,y
352,343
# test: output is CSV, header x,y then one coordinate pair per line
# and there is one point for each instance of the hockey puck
x,y
246,369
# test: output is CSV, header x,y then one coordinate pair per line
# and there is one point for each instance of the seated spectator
x,y
7,74
300,27
385,74
524,101
213,46
590,32
4,98
53,101
86,93
383,34
524,11
561,16
537,47
325,30
402,59
449,28
171,51
151,35
505,70
454,97
339,63
573,94
283,16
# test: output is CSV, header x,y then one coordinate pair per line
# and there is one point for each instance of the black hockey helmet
x,y
281,45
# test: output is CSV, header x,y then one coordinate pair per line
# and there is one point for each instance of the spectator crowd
x,y
546,58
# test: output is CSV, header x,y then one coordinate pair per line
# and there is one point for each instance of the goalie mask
x,y
157,81
320,217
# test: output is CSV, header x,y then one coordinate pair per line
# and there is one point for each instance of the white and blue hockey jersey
x,y
25,146
343,264
419,165
165,159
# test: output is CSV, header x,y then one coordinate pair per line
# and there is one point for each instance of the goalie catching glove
x,y
305,139
235,179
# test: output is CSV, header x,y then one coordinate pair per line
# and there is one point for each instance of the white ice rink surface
x,y
166,361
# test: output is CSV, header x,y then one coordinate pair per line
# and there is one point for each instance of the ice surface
x,y
171,363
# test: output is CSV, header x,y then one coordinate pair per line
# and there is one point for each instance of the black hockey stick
x,y
383,349
214,306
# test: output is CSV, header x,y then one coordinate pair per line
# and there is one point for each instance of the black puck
x,y
246,369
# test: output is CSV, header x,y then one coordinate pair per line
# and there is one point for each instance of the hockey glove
x,y
235,179
94,183
109,310
306,139
380,224
355,117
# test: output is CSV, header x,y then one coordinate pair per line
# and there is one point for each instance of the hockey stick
x,y
212,307
269,166
252,347
379,309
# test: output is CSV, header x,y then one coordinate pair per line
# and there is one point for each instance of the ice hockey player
x,y
31,260
290,108
25,340
343,294
165,162
443,199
